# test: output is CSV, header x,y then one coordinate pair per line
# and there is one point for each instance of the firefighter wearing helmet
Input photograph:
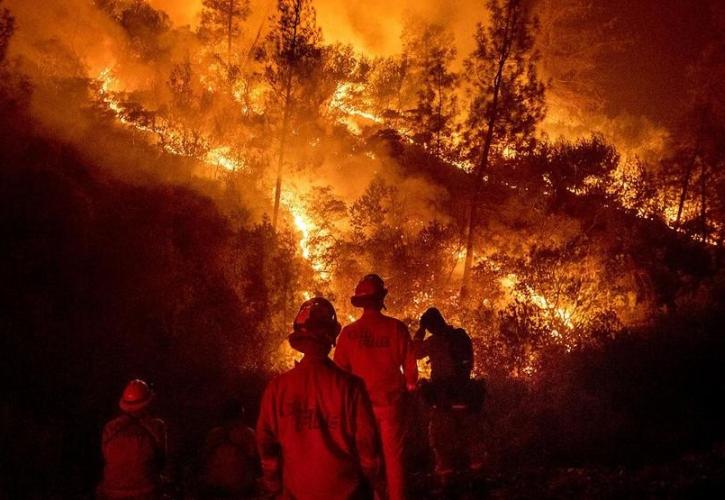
x,y
455,402
316,430
378,349
134,447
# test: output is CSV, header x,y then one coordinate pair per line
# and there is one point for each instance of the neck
x,y
315,356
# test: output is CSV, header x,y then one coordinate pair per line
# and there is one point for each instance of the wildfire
x,y
219,156
307,227
564,315
341,101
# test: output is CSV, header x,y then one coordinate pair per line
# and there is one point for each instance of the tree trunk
x,y
688,172
286,116
230,21
483,164
703,202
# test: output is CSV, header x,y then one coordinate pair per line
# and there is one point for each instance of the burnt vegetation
x,y
169,230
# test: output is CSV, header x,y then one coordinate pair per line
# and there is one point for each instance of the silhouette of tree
x,y
7,27
506,98
221,20
430,50
292,51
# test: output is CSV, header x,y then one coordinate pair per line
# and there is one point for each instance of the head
x,y
370,293
432,320
315,328
233,409
136,397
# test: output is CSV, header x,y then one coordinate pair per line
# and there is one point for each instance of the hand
x,y
420,334
411,387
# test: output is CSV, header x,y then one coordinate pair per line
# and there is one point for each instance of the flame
x,y
340,101
306,227
107,94
564,314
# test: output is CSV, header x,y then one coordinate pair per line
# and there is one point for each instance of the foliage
x,y
505,96
7,26
430,51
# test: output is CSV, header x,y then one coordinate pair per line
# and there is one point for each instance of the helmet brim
x,y
363,300
134,406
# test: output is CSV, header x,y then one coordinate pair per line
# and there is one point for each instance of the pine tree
x,y
430,50
7,26
506,99
292,53
221,20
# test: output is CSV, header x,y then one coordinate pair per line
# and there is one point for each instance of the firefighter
x,y
134,447
316,430
454,398
378,349
230,464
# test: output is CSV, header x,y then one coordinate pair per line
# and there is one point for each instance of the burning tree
x,y
221,21
694,173
430,51
292,51
506,100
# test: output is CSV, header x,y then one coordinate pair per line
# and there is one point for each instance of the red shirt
x,y
316,429
134,449
378,349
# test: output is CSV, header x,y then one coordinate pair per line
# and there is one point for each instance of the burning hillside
x,y
193,171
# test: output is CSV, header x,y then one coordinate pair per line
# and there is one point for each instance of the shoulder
x,y
349,327
398,325
342,376
279,379
112,426
461,333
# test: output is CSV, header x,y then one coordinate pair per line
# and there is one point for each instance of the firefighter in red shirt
x,y
378,349
134,448
316,430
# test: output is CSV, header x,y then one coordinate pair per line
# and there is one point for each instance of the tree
x,y
292,52
574,36
222,20
696,168
430,50
575,167
143,24
506,99
7,26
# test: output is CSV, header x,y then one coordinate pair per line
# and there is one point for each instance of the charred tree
x,y
507,100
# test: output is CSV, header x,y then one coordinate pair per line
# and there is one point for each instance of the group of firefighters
x,y
327,428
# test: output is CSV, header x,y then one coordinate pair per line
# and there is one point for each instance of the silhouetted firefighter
x,y
378,349
230,462
454,398
316,429
134,448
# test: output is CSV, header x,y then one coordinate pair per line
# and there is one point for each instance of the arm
x,y
267,444
420,345
342,354
366,440
410,365
468,361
